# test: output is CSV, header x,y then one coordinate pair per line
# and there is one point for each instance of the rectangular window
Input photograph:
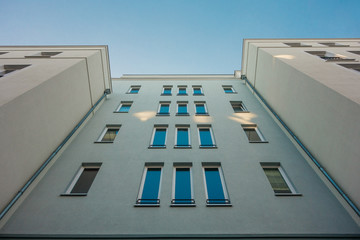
x,y
200,108
83,179
215,188
159,137
164,108
253,133
279,182
149,192
182,193
124,107
166,90
108,134
134,89
6,69
182,109
182,90
238,106
228,89
1,53
297,44
43,55
330,57
197,90
334,44
182,137
206,137
355,67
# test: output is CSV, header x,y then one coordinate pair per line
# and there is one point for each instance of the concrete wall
x,y
109,206
318,100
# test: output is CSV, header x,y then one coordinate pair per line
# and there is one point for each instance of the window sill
x,y
183,205
165,94
146,205
131,93
182,114
242,112
103,142
206,147
183,147
163,114
200,94
230,92
288,194
157,147
73,194
341,60
185,94
258,141
201,114
120,112
219,205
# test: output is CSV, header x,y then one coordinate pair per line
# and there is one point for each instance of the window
x,y
228,89
200,108
6,69
166,90
215,188
124,107
333,44
355,67
109,134
253,134
158,139
163,109
355,52
134,89
182,193
149,192
329,57
182,136
206,136
182,109
297,44
197,90
83,179
279,182
43,55
182,90
238,106
1,53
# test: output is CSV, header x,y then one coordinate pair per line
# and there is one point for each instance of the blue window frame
x,y
150,187
182,109
164,109
124,107
216,193
206,137
197,90
182,137
182,91
182,187
200,109
166,90
159,137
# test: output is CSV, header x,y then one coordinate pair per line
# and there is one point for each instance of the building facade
x,y
181,156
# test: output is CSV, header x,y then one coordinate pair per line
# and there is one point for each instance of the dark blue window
x,y
159,137
182,137
200,109
150,192
205,137
164,109
134,90
182,109
167,91
228,90
214,186
183,187
125,108
182,91
197,91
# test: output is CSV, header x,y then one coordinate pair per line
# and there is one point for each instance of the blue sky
x,y
173,36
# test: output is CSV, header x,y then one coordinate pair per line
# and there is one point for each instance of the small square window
x,y
182,193
124,107
83,180
158,139
228,89
238,107
206,137
166,90
182,136
197,90
134,89
164,108
182,90
201,109
355,67
279,182
109,134
6,69
149,192
182,109
253,134
215,187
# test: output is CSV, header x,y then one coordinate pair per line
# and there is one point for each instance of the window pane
x,y
182,91
167,91
205,137
182,137
124,108
276,180
134,90
183,186
110,135
200,109
228,90
164,108
182,108
238,107
214,186
159,138
197,91
150,191
84,182
252,135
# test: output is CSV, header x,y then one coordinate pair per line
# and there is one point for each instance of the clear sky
x,y
173,36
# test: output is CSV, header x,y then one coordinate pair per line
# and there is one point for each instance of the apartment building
x,y
183,156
